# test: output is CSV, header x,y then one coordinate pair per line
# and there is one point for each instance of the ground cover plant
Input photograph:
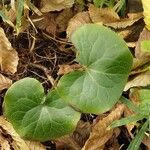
x,y
74,74
105,72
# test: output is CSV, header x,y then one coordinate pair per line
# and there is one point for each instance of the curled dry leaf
x,y
110,18
8,56
14,140
104,15
4,144
57,5
100,134
4,82
142,79
146,7
126,22
64,69
63,18
46,22
146,142
76,140
78,20
139,51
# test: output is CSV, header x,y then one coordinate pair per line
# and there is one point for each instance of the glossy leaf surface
x,y
106,62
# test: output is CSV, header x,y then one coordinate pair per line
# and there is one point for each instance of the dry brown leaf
x,y
4,144
146,142
104,15
11,14
134,6
142,79
110,18
46,22
57,5
138,63
4,82
33,145
77,21
76,140
63,18
123,23
145,35
100,134
64,69
14,139
8,56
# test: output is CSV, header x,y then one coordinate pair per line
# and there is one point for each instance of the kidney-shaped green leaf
x,y
106,61
144,98
36,116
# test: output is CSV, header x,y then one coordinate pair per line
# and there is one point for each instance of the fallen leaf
x,y
14,139
76,140
57,5
134,6
63,18
11,15
110,18
100,134
33,145
146,142
47,22
104,15
146,7
139,51
142,79
137,63
78,20
125,22
64,69
5,82
4,144
8,56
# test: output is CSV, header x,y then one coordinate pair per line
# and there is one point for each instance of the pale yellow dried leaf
x,y
142,79
146,7
138,63
100,134
33,145
4,144
124,33
17,142
8,56
64,69
77,21
5,82
104,15
57,5
123,23
139,53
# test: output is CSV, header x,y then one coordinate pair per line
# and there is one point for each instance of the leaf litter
x,y
51,57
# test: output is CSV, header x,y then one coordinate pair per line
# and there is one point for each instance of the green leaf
x,y
135,143
106,61
144,97
20,9
130,104
36,116
145,46
128,120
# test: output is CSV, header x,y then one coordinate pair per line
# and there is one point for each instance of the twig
x,y
46,72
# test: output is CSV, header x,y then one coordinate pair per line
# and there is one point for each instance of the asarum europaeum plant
x,y
106,62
